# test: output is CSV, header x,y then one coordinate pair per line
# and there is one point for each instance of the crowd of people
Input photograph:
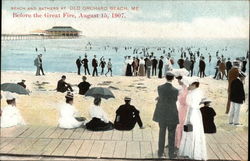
x,y
177,110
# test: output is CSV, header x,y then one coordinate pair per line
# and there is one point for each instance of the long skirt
x,y
129,70
97,124
141,70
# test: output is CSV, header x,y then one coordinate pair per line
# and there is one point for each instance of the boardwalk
x,y
137,144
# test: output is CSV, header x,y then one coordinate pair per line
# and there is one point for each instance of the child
x,y
208,114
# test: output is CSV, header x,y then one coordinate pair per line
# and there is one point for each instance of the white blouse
x,y
67,117
11,117
98,112
142,61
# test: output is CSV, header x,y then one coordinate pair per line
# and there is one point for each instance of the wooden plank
x,y
51,146
107,135
137,134
154,145
133,149
224,152
6,132
5,141
108,149
57,133
67,133
62,147
210,153
120,149
29,131
117,135
38,132
97,135
22,146
237,149
146,149
47,132
147,134
230,152
85,148
77,133
96,149
86,134
73,148
127,136
11,145
218,151
36,148
18,131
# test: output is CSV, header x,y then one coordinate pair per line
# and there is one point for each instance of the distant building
x,y
63,31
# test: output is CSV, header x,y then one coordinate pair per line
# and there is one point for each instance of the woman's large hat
x,y
205,100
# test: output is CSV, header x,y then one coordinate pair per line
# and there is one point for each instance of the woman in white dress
x,y
168,66
10,114
68,114
193,143
99,121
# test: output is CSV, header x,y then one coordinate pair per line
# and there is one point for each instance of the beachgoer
x,y
99,119
10,115
193,141
208,115
109,66
244,63
85,65
228,65
202,67
181,62
182,108
37,63
127,116
141,71
69,114
41,63
94,65
148,65
79,64
232,75
22,83
222,69
237,97
166,115
129,62
154,66
102,64
62,86
160,66
83,86
217,68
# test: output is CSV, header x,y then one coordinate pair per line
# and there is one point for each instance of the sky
x,y
154,19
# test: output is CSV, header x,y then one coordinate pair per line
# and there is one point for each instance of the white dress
x,y
98,112
67,117
193,144
11,117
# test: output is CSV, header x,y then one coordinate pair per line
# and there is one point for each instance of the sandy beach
x,y
41,106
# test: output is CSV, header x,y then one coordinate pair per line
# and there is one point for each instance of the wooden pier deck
x,y
138,144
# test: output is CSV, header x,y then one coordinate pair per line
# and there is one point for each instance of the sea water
x,y
59,55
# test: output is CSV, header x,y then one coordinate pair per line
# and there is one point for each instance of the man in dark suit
x,y
127,116
94,65
160,66
78,64
83,86
41,63
237,97
166,115
154,65
62,86
85,65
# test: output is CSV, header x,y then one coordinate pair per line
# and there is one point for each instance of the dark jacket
x,y
237,93
83,87
85,62
166,109
78,62
154,62
208,115
94,63
160,66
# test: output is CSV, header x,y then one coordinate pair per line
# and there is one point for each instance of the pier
x,y
5,37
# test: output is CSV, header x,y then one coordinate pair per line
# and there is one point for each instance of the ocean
x,y
59,55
